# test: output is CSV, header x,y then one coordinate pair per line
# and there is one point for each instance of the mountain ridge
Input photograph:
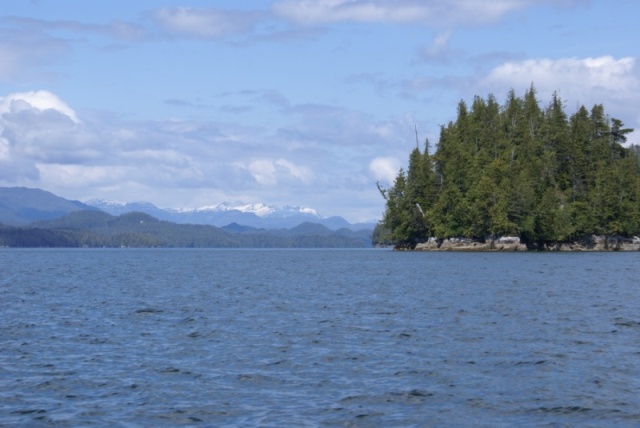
x,y
259,216
21,206
94,228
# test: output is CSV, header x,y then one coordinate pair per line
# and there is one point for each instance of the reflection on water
x,y
318,338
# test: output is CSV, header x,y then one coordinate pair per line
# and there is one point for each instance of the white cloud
x,y
270,172
39,100
605,72
38,127
263,171
323,11
426,12
299,172
578,81
203,23
384,169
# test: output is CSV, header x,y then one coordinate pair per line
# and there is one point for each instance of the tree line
x,y
517,170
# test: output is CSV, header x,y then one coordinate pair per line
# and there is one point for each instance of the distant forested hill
x,y
518,170
99,229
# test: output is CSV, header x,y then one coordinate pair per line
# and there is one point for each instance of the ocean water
x,y
318,338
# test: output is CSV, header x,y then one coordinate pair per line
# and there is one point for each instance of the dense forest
x,y
517,169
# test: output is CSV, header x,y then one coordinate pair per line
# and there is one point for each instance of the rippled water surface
x,y
312,338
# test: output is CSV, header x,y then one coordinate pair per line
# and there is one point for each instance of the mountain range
x,y
20,206
260,216
37,218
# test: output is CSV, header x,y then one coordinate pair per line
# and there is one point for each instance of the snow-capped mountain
x,y
253,215
261,210
117,208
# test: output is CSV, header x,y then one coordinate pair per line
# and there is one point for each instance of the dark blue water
x,y
310,338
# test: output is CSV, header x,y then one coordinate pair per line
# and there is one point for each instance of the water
x,y
318,338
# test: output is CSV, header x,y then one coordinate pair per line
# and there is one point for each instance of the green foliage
x,y
518,169
381,236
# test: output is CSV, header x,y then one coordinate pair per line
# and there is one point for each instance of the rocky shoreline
x,y
511,243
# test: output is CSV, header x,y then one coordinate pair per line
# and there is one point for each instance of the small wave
x,y
564,409
411,396
623,322
149,311
28,411
535,363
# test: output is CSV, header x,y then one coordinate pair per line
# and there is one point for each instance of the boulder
x,y
431,245
508,243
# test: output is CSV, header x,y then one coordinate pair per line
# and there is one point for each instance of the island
x,y
516,177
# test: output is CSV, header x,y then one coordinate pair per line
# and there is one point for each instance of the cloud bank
x,y
44,143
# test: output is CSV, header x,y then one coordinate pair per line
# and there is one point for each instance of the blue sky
x,y
286,102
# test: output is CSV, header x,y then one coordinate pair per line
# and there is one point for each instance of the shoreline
x,y
589,243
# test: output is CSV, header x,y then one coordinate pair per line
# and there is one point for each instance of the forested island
x,y
519,175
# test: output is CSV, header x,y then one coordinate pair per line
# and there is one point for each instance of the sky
x,y
188,103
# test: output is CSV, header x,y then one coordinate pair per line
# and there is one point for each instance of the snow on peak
x,y
97,202
259,209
